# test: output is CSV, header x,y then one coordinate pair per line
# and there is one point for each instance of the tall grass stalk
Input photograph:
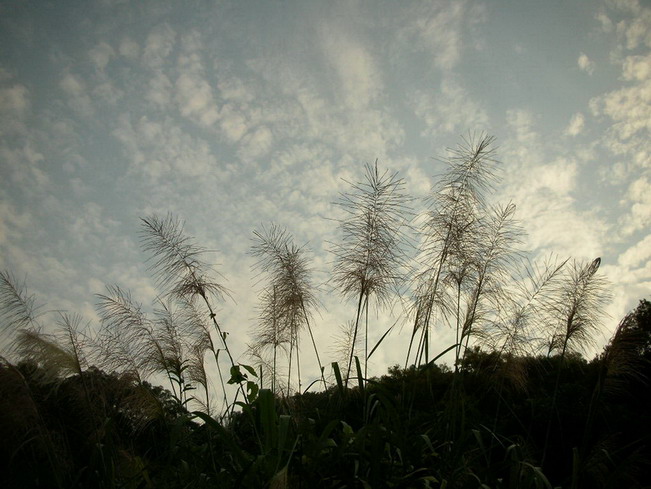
x,y
178,266
181,271
454,209
523,318
517,329
576,308
370,257
288,298
18,311
490,270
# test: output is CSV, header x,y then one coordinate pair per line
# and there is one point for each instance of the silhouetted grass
x,y
78,409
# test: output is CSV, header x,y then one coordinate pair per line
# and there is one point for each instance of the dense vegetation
x,y
518,407
419,427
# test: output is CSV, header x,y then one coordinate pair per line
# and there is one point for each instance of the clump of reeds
x,y
370,258
451,242
286,301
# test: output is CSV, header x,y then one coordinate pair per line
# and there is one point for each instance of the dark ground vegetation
x,y
518,407
485,426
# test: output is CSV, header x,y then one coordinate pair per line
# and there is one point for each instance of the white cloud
x,y
159,149
631,277
233,123
637,68
604,20
615,173
256,144
78,98
558,177
15,105
630,110
22,164
72,85
300,106
79,189
586,64
576,125
636,30
520,122
636,254
14,101
359,77
195,99
234,89
159,91
438,29
553,226
92,226
101,54
194,93
13,223
159,45
108,92
5,74
638,199
627,109
418,181
129,48
450,110
544,189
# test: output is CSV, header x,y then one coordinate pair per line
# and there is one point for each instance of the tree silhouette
x,y
637,324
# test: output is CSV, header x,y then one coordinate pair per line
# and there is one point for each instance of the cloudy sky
x,y
234,114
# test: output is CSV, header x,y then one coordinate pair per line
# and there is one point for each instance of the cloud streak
x,y
233,116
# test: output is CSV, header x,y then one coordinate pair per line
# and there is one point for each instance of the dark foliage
x,y
504,416
415,427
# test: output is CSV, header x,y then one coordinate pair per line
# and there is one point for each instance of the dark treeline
x,y
485,426
518,407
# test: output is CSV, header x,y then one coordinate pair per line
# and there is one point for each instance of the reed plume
x,y
370,259
288,298
449,237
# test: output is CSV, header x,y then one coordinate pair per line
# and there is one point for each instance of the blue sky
x,y
232,115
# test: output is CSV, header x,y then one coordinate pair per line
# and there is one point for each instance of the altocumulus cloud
x,y
233,115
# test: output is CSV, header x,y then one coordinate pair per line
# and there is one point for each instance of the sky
x,y
235,114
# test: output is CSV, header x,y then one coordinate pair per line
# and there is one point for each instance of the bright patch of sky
x,y
235,114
